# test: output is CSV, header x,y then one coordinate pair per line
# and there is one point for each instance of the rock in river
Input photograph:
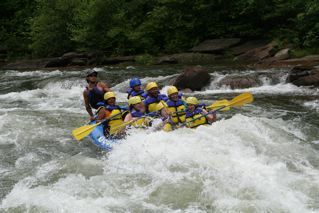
x,y
240,82
194,78
304,76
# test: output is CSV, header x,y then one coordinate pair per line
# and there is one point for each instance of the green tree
x,y
51,27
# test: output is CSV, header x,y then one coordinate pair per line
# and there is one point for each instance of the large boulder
x,y
167,59
240,82
117,60
258,54
194,78
282,54
195,58
310,60
78,62
27,64
249,45
304,76
58,62
71,55
215,45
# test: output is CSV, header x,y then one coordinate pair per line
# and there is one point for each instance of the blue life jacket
x,y
180,95
111,108
133,93
136,114
178,103
197,111
95,95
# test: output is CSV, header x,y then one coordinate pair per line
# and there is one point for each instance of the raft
x,y
98,138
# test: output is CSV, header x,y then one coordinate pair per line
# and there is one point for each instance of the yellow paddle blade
x,y
242,99
83,131
219,104
115,129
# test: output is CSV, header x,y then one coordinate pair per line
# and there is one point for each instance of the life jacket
x,y
140,122
151,102
195,114
111,111
132,93
176,106
95,95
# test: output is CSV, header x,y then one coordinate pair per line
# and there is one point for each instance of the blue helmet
x,y
135,82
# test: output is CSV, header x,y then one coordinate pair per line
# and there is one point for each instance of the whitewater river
x,y
263,157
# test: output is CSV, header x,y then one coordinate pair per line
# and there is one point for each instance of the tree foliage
x,y
120,27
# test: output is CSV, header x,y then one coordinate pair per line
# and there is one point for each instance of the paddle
x,y
218,104
214,105
83,131
123,125
240,100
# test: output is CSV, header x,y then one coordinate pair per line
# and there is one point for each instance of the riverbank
x,y
257,54
230,52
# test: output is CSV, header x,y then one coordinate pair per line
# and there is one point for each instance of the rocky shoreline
x,y
257,54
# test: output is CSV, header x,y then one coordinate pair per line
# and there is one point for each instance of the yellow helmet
x,y
151,85
109,95
172,90
134,100
192,100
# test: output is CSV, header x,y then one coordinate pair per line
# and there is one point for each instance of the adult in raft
x,y
176,108
195,110
154,97
136,89
93,92
110,110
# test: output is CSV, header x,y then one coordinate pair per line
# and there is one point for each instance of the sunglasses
x,y
93,75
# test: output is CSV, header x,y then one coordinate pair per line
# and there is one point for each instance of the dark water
x,y
262,157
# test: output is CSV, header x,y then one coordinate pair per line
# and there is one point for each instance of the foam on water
x,y
123,86
229,166
38,73
281,88
61,95
312,104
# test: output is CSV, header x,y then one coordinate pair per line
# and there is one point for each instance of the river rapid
x,y
263,157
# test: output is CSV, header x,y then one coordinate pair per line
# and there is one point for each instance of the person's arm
x,y
87,105
128,117
105,87
101,114
210,117
164,113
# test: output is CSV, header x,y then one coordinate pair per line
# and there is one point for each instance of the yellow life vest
x,y
192,115
140,123
151,102
115,121
176,106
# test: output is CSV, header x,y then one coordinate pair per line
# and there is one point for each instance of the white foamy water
x,y
282,88
312,104
39,73
224,167
62,95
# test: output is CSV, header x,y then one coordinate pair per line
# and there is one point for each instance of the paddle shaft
x,y
131,121
90,128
